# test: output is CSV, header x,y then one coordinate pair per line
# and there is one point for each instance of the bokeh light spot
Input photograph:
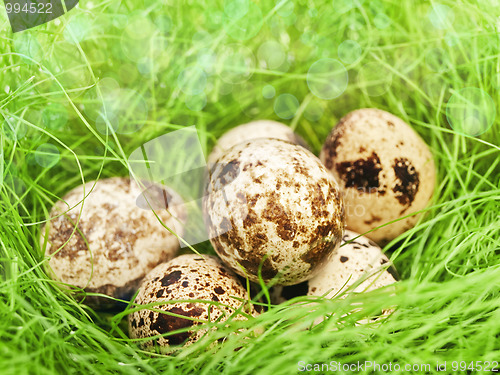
x,y
140,38
327,78
441,16
471,111
78,28
192,80
314,111
146,66
382,21
285,106
26,44
268,91
272,53
235,63
236,8
55,116
163,23
344,6
285,7
120,110
375,79
349,51
106,125
47,155
14,129
196,102
435,85
245,26
207,60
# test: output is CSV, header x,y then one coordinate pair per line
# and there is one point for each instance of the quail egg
x,y
281,214
358,264
384,169
254,130
187,277
99,239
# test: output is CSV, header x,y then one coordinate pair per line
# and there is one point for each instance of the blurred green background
x,y
79,94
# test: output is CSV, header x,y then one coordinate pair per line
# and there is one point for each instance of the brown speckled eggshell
x,y
116,242
254,130
271,197
384,169
187,277
361,259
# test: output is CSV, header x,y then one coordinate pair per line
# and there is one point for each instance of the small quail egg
x,y
360,261
99,239
384,169
187,277
282,210
254,130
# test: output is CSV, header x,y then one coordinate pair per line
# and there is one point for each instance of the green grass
x,y
448,302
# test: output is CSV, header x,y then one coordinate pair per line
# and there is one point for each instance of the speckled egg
x,y
358,260
254,130
187,277
109,244
272,203
384,169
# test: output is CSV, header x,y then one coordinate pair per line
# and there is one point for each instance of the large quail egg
x,y
99,239
254,130
272,207
358,265
187,277
384,169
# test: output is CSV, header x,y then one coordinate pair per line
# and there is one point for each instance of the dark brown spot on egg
x,y
321,245
63,229
362,173
300,169
343,259
251,263
219,290
373,219
159,293
287,231
258,240
408,181
166,323
171,278
250,219
277,214
185,284
228,173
